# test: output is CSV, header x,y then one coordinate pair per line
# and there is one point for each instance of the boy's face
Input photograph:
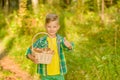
x,y
52,28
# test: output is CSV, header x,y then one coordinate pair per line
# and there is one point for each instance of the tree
x,y
2,3
22,11
35,6
102,10
98,6
22,7
80,9
5,5
9,6
67,2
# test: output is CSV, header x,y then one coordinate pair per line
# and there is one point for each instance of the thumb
x,y
64,38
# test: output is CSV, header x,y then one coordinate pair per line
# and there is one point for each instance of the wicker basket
x,y
43,55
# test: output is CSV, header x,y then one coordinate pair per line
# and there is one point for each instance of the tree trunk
x,y
22,7
22,11
35,6
2,4
102,11
67,2
13,5
111,2
80,9
98,6
5,6
50,1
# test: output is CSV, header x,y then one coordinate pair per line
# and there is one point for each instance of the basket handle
x,y
36,36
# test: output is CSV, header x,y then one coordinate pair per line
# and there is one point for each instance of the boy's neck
x,y
52,36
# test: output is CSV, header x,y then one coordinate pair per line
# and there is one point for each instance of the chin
x,y
52,34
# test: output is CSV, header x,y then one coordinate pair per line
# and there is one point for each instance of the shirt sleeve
x,y
35,45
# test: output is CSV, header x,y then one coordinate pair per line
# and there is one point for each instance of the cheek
x,y
47,29
57,29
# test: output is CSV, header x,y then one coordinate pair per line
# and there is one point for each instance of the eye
x,y
54,26
48,26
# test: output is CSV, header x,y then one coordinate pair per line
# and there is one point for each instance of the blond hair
x,y
51,17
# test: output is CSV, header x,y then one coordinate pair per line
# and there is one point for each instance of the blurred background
x,y
93,26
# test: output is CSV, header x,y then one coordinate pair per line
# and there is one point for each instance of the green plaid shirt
x,y
42,43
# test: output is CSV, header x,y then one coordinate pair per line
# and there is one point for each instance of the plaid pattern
x,y
42,43
55,77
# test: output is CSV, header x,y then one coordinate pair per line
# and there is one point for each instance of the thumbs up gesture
x,y
67,43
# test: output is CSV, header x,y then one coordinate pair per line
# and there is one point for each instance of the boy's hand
x,y
67,44
35,61
32,58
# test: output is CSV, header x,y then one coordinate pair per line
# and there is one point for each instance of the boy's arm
x,y
29,53
67,45
32,58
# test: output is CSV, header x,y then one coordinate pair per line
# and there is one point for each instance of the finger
x,y
36,61
64,38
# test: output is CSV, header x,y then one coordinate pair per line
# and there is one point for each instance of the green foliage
x,y
3,32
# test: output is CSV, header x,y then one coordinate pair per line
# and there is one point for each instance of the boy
x,y
57,68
